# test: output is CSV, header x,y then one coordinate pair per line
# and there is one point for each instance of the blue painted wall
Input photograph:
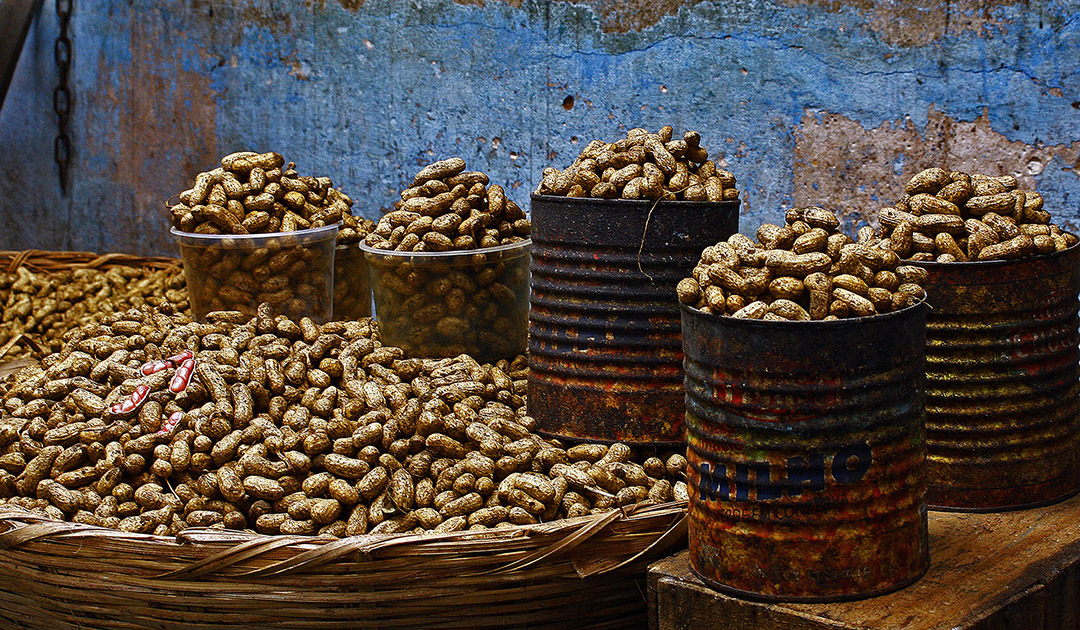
x,y
807,102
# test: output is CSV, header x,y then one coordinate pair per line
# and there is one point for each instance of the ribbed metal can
x,y
605,345
805,450
1003,397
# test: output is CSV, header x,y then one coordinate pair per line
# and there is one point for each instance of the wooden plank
x,y
15,18
1012,570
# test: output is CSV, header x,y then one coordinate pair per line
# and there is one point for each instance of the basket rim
x,y
64,260
20,526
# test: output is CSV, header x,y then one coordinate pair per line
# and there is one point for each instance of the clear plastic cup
x,y
442,304
352,285
292,271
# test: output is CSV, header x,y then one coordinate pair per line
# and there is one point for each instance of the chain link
x,y
62,97
62,100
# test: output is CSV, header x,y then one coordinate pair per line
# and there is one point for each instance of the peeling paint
x,y
622,16
898,23
855,170
615,16
352,5
298,68
788,94
920,22
276,17
165,131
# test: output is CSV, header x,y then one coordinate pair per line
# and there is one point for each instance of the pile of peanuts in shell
x,y
152,423
257,193
444,308
450,209
953,216
474,304
804,270
289,271
45,305
352,285
643,165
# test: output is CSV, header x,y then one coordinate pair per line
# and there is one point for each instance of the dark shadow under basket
x,y
573,573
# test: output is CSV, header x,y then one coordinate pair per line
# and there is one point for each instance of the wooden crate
x,y
1016,570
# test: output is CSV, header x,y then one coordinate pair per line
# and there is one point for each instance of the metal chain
x,y
62,93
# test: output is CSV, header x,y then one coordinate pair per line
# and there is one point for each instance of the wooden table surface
x,y
1017,570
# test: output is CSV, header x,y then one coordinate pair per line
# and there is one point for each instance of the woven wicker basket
x,y
586,572
48,261
40,260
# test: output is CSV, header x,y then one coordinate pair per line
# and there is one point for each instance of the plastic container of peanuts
x,y
352,284
292,271
442,304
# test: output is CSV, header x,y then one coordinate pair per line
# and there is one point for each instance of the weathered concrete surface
x,y
920,22
861,171
807,101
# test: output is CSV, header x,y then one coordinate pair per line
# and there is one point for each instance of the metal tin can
x,y
605,346
806,450
1003,398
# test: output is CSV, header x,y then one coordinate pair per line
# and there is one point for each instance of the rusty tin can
x,y
1003,397
806,450
605,346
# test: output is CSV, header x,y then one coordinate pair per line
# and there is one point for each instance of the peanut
x,y
42,307
473,303
236,275
643,165
959,217
399,443
260,193
830,276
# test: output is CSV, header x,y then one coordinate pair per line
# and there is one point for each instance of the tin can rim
x,y
776,324
814,599
933,264
643,203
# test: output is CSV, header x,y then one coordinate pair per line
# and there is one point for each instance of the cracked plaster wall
x,y
807,101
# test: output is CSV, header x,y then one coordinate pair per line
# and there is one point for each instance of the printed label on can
x,y
797,476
